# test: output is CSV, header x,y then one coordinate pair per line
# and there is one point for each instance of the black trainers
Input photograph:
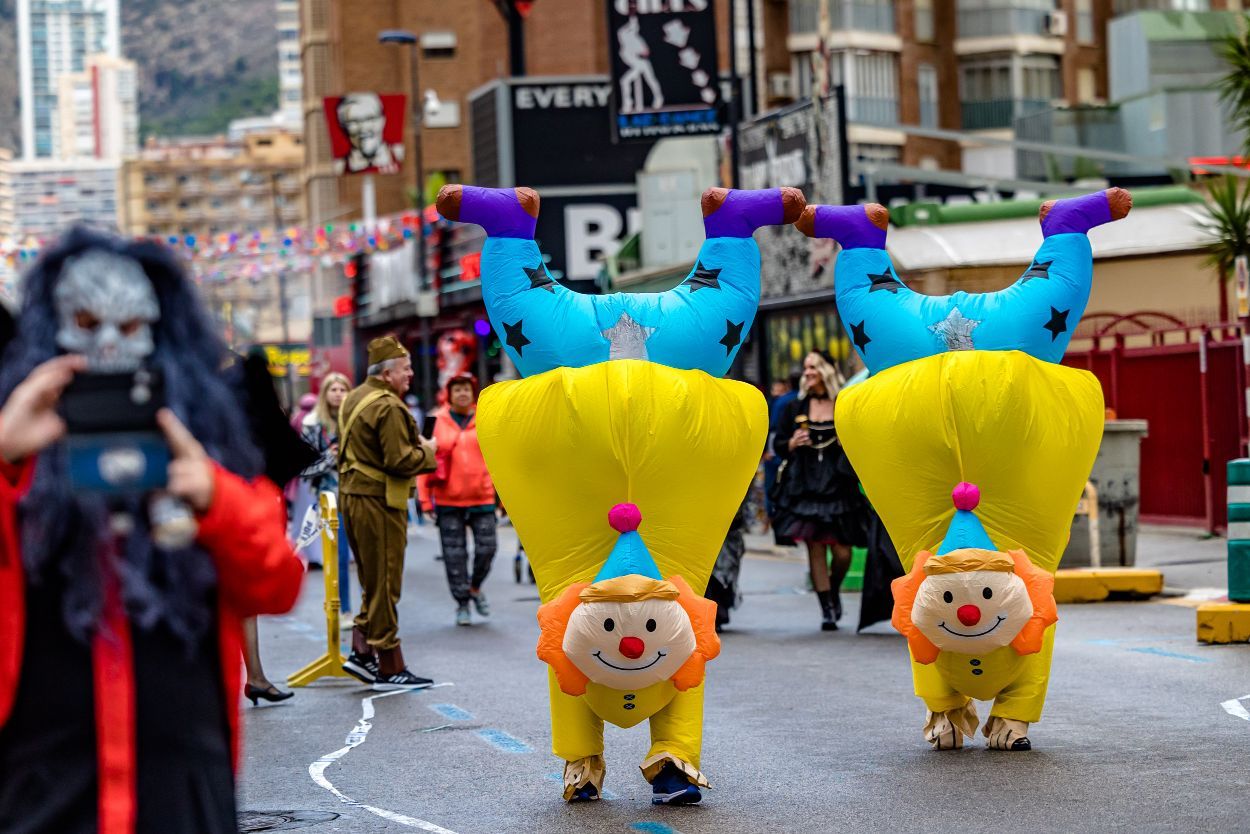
x,y
400,680
363,667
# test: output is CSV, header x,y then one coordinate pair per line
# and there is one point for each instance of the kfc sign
x,y
366,132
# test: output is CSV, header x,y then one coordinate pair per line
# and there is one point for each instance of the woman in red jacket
x,y
462,496
120,647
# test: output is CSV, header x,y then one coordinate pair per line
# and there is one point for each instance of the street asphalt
x,y
804,731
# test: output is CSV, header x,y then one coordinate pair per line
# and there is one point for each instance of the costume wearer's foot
x,y
946,730
853,227
1077,215
400,680
363,667
735,213
671,787
829,620
1007,734
583,779
502,212
463,618
479,602
586,793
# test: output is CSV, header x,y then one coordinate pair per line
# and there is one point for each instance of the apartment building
x,y
206,186
42,198
99,109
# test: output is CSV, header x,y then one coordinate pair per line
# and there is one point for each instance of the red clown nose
x,y
632,647
969,615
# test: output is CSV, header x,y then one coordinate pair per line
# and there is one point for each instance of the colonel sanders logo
x,y
366,132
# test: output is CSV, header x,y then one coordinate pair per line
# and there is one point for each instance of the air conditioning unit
x,y
1057,24
781,85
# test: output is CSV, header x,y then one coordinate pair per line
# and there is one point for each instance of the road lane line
x,y
451,711
354,739
503,741
1176,655
1236,709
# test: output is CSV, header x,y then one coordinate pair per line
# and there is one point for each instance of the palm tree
x,y
1234,87
1228,223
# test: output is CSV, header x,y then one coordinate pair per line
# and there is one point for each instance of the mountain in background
x,y
201,64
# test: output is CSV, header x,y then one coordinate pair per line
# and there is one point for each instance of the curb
x,y
1106,584
1224,622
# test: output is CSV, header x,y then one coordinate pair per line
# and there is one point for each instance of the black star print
x,y
703,277
539,279
885,281
1058,323
859,335
1039,269
733,335
516,338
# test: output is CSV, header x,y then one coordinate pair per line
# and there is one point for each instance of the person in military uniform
x,y
380,455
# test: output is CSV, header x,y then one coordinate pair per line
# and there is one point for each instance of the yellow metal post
x,y
330,664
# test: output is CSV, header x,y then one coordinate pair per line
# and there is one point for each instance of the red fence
x,y
1189,385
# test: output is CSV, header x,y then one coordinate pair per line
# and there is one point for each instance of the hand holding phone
x,y
29,421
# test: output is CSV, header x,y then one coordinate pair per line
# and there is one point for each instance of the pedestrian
x,y
320,430
462,497
722,586
380,454
784,392
120,676
817,497
299,495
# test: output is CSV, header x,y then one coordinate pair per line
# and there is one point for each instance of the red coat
x,y
257,573
468,483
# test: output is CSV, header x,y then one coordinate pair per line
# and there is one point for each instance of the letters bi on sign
x,y
591,232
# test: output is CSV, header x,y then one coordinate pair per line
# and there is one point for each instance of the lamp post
x,y
405,38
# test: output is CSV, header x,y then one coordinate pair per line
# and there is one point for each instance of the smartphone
x,y
114,444
427,428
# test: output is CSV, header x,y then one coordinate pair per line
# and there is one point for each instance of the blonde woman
x,y
816,494
320,430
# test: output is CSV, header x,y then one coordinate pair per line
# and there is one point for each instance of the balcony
x,y
843,15
872,111
1003,21
998,113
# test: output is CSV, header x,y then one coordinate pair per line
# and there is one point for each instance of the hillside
x,y
201,63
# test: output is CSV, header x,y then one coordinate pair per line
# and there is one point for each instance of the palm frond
x,y
1227,222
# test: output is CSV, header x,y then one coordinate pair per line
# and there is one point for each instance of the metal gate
x,y
1189,384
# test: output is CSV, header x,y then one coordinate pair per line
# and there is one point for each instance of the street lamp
x,y
405,38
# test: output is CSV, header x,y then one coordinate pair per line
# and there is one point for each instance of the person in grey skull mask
x,y
119,691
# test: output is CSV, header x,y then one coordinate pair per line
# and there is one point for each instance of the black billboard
x,y
664,68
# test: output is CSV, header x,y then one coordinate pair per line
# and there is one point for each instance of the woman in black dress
x,y
817,493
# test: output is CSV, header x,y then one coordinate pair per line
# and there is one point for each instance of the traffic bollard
x,y
330,664
1239,530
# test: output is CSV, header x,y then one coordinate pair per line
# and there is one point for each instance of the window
x,y
1085,21
927,84
1086,85
923,10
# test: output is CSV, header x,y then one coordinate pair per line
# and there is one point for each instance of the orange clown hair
x,y
1039,584
553,622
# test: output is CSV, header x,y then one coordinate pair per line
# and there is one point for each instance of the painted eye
x,y
85,320
608,624
948,596
987,593
650,625
131,327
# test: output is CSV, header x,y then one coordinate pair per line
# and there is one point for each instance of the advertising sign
x,y
664,69
366,132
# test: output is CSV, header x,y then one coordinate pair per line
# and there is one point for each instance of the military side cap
x,y
384,348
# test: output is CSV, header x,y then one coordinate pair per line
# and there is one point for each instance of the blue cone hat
x,y
965,530
630,555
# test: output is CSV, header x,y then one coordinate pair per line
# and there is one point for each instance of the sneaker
x,y
362,667
586,793
671,787
462,615
400,680
480,603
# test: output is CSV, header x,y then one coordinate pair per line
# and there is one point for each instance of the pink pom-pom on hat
x,y
625,518
966,496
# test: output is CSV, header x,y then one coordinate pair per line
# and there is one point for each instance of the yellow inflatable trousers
x,y
1015,683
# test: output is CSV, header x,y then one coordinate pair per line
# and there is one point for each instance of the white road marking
x,y
1236,709
354,739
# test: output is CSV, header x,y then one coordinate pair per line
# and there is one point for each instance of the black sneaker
x,y
363,667
400,680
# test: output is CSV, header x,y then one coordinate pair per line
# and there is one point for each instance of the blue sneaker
x,y
586,793
671,787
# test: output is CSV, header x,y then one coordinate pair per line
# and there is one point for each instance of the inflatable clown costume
x,y
622,457
974,447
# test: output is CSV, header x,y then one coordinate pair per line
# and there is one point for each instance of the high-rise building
x,y
290,75
41,198
55,37
99,110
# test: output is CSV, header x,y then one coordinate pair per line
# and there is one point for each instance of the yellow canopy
x,y
565,446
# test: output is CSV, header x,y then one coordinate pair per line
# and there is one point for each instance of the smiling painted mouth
x,y
979,634
658,657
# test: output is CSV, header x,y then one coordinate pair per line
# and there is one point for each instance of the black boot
x,y
828,622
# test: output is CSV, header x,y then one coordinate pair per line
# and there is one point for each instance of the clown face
x,y
629,645
973,612
105,307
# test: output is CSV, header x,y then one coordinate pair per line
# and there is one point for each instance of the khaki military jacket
x,y
383,438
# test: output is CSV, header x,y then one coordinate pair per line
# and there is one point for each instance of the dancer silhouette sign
x,y
664,69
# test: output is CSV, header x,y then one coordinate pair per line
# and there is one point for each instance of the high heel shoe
x,y
271,693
